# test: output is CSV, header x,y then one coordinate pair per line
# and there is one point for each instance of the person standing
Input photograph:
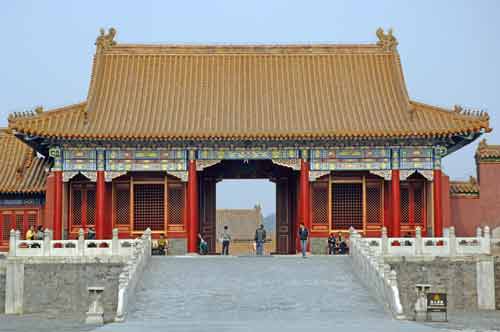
x,y
39,233
203,245
91,234
260,239
30,234
331,244
226,240
162,245
303,235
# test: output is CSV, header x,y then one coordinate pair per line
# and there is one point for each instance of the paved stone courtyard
x,y
257,294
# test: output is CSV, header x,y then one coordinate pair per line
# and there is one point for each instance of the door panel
x,y
207,212
283,216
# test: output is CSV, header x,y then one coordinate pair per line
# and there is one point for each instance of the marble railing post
x,y
486,241
452,239
419,243
46,242
12,243
81,242
384,242
479,233
115,243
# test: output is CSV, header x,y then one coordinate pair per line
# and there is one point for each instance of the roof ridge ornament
x,y
386,40
482,144
105,41
477,113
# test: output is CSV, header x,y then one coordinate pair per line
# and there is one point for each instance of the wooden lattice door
x,y
149,207
413,207
284,216
347,206
82,207
208,212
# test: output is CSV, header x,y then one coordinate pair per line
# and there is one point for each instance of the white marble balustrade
x,y
67,248
434,246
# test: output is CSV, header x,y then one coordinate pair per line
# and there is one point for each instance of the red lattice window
x,y
319,203
91,207
405,205
347,205
77,203
20,225
122,204
149,207
6,226
175,204
374,208
419,199
32,220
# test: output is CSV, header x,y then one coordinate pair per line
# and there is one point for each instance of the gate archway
x,y
286,180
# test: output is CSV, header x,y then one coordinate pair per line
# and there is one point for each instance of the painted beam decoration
x,y
350,159
124,160
80,159
369,158
146,160
247,154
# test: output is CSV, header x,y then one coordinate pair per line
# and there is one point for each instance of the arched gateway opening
x,y
286,184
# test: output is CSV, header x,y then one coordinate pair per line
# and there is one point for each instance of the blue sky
x,y
450,50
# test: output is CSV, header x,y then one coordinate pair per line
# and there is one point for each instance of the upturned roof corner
x,y
105,40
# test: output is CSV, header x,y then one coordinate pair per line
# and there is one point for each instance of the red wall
x,y
470,212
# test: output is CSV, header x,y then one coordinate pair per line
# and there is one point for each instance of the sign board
x,y
437,302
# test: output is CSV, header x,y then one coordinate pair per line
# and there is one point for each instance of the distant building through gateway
x,y
332,126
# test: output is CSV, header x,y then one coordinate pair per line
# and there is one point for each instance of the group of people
x,y
34,234
259,240
337,245
225,239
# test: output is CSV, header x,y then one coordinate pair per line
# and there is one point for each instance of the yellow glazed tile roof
x,y
248,92
22,170
487,152
467,188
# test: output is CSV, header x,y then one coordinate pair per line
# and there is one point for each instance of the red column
x,y
395,204
192,207
58,187
438,211
304,200
99,205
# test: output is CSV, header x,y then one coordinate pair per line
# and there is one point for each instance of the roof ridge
x,y
465,113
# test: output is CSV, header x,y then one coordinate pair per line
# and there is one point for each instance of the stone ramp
x,y
256,294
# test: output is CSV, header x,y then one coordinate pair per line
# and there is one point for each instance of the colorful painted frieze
x,y
220,154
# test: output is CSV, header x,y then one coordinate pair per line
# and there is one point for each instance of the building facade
x,y
331,125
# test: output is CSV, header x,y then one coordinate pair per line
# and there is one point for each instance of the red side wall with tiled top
x,y
468,212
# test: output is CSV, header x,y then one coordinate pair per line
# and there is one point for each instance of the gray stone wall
x,y
456,277
319,245
2,288
55,288
497,282
177,246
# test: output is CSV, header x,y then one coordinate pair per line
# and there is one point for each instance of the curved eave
x,y
256,136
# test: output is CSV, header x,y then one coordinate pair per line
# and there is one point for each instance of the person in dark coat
x,y
304,236
260,239
331,244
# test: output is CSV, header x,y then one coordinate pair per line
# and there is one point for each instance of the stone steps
x,y
319,293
